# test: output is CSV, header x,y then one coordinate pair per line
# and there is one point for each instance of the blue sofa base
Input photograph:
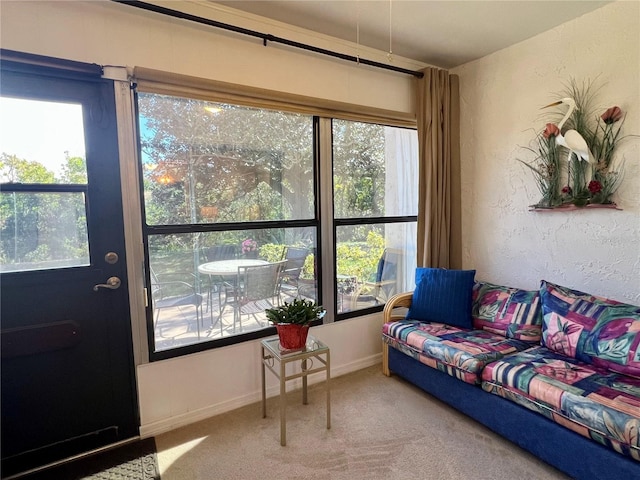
x,y
569,452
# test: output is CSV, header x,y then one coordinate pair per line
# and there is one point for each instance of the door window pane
x,y
41,142
43,230
209,162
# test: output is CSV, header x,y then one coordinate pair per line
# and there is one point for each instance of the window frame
x,y
323,112
355,221
152,230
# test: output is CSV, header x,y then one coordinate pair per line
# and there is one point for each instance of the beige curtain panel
x,y
438,119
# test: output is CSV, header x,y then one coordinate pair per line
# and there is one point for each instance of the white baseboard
x,y
162,426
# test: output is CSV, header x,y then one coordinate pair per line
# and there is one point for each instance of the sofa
x,y
554,370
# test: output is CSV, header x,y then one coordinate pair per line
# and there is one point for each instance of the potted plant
x,y
292,321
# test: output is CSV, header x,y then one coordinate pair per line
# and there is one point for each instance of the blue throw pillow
x,y
443,296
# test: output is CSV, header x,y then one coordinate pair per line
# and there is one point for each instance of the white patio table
x,y
227,268
220,270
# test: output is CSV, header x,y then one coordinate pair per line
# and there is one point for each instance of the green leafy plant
x,y
546,169
272,252
298,312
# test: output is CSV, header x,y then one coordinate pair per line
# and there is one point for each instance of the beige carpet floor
x,y
382,428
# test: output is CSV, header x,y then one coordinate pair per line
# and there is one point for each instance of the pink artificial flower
x,y
249,245
612,115
595,187
552,130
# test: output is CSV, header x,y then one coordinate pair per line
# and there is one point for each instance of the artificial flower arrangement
x,y
249,245
575,166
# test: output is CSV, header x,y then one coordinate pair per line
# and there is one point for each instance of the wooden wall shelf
x,y
571,207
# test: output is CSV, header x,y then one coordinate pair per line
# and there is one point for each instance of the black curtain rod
x,y
264,36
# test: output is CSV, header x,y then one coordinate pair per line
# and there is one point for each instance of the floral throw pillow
x,y
592,329
507,311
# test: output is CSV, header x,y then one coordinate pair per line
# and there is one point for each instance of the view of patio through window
x,y
199,281
232,224
227,189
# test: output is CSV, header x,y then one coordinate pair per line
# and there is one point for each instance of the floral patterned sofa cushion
x,y
592,329
511,312
457,352
594,402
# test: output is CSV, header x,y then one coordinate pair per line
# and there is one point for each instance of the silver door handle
x,y
112,284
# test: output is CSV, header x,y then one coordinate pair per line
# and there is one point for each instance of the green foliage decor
x,y
298,312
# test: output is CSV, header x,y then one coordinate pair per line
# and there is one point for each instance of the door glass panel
x,y
43,230
42,143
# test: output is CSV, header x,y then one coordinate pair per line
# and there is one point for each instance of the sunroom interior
x,y
494,231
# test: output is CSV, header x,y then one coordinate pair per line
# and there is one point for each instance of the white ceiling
x,y
440,33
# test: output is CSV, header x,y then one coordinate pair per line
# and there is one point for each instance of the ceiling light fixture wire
x,y
390,54
358,32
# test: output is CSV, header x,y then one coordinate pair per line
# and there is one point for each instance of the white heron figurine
x,y
571,140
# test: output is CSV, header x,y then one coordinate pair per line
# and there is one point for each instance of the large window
x,y
232,217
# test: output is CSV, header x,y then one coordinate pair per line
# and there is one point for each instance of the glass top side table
x,y
272,354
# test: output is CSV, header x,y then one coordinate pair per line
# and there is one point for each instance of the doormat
x,y
134,461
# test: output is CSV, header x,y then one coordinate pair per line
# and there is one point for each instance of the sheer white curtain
x,y
401,198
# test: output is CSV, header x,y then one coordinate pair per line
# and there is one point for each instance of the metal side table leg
x,y
264,388
283,405
328,386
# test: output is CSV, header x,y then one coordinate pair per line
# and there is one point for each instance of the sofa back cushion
x,y
507,311
592,329
443,296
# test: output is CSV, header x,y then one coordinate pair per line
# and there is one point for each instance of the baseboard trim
x,y
181,420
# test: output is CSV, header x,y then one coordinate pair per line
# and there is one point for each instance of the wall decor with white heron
x,y
574,164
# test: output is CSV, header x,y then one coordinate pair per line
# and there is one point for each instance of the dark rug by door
x,y
134,461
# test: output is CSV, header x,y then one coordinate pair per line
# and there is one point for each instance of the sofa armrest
x,y
388,314
397,301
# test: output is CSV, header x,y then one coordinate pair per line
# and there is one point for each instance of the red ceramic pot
x,y
292,336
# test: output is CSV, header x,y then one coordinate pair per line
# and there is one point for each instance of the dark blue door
x,y
67,362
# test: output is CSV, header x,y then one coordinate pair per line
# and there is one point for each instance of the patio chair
x,y
295,258
213,284
255,289
219,252
385,283
170,290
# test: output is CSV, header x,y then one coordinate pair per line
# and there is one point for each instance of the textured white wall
x,y
597,251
